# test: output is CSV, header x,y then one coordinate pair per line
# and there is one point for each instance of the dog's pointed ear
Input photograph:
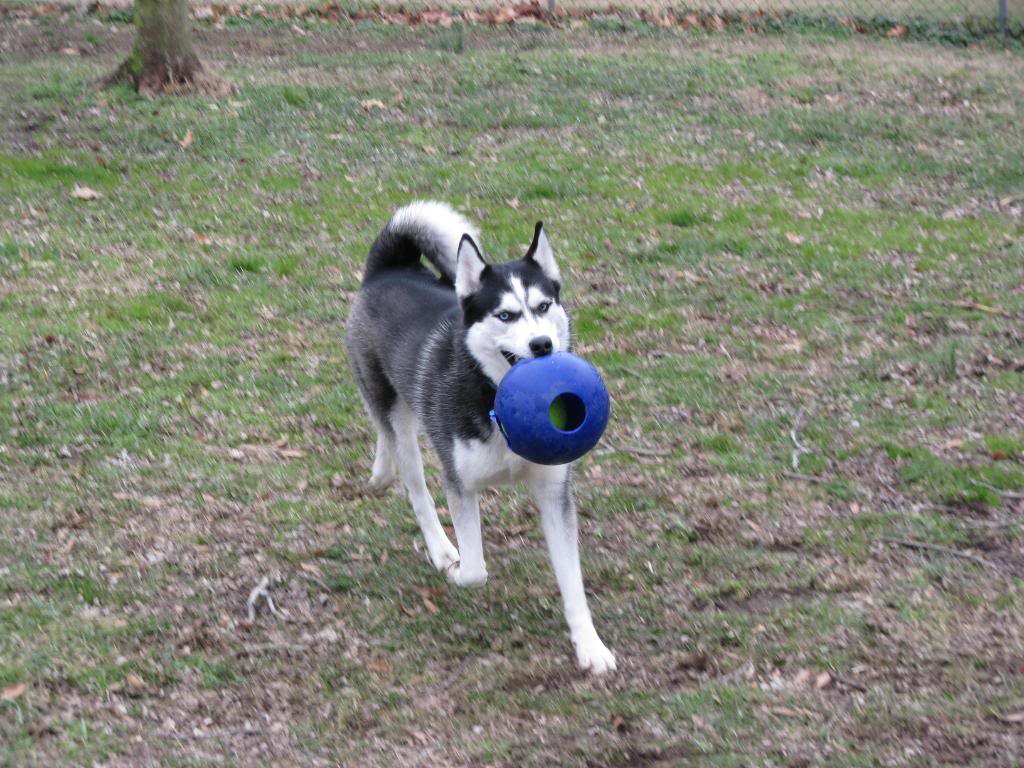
x,y
540,253
469,268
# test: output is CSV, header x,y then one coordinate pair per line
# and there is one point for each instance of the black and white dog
x,y
428,352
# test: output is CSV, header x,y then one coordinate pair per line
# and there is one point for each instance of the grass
x,y
750,228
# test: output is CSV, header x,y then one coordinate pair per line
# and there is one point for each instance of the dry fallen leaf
x,y
311,568
186,140
429,591
794,238
823,680
1014,718
371,104
430,150
13,692
692,277
792,712
134,681
981,308
84,193
436,17
696,660
787,712
803,677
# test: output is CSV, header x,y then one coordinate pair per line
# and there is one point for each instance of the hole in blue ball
x,y
567,412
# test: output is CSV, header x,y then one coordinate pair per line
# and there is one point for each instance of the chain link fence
x,y
999,16
953,20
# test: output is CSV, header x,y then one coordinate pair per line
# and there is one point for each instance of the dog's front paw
x,y
593,655
381,480
443,554
463,577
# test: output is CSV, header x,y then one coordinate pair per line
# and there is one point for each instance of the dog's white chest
x,y
485,463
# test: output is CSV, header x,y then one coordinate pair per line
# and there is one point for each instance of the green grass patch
x,y
748,226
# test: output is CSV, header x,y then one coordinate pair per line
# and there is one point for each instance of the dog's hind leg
x,y
384,471
552,491
443,553
379,399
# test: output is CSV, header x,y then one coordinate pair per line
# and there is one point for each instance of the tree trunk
x,y
163,59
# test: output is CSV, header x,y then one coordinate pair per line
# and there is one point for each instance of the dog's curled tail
x,y
423,228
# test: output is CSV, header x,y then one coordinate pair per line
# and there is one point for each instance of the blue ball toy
x,y
552,409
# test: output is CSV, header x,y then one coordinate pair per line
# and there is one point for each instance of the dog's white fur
x,y
486,339
440,222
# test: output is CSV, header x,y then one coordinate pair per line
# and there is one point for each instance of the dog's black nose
x,y
541,346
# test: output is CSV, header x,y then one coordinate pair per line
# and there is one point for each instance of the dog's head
x,y
511,311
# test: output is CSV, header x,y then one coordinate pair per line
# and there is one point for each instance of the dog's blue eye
x,y
504,316
544,307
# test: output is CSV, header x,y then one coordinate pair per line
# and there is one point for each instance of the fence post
x,y
1003,21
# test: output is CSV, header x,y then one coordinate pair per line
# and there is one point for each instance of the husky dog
x,y
428,351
